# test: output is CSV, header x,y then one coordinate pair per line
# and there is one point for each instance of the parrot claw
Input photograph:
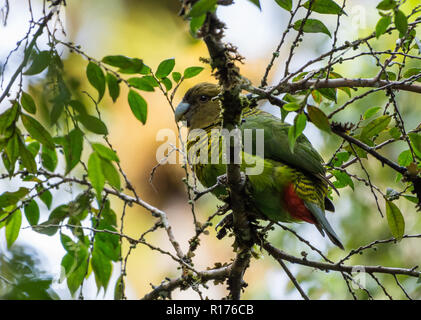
x,y
224,224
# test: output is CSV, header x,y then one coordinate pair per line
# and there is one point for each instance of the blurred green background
x,y
152,30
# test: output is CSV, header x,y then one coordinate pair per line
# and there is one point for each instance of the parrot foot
x,y
224,224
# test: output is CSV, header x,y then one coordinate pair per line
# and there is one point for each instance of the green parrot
x,y
290,187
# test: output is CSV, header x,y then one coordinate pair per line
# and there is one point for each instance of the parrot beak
x,y
180,111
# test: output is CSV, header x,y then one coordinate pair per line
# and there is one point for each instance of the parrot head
x,y
199,108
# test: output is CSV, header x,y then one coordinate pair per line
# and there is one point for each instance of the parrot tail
x,y
322,224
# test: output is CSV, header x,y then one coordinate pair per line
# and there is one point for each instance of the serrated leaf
x,y
32,212
165,68
13,225
138,106
141,84
375,126
37,131
401,22
110,173
93,124
105,152
318,118
191,72
95,173
28,103
382,25
96,78
312,26
395,220
412,72
285,4
49,158
324,6
40,61
201,7
113,86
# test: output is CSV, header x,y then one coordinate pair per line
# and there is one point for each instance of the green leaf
x,y
110,173
40,61
7,120
75,269
49,158
72,146
141,84
382,25
201,7
34,147
96,78
93,124
113,86
102,268
196,23
401,22
151,80
45,197
167,83
312,26
13,225
375,126
395,220
324,6
328,93
28,103
295,130
192,72
12,150
105,152
176,76
342,179
395,133
285,4
32,212
371,112
415,139
165,68
56,217
387,5
37,131
78,106
95,173
292,106
256,3
138,106
27,158
413,72
119,288
127,65
10,198
318,118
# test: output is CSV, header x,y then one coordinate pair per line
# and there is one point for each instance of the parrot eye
x,y
203,98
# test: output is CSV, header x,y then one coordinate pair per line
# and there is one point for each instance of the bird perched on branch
x,y
290,187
